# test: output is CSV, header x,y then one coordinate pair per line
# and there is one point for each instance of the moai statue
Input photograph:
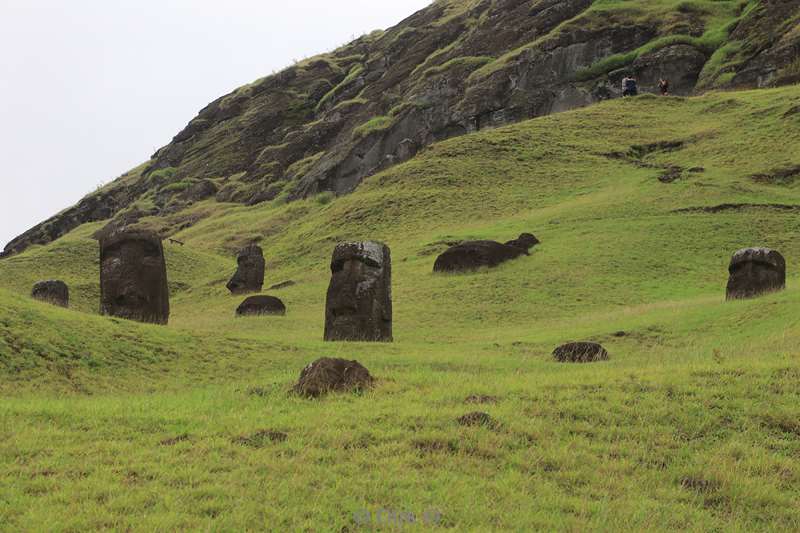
x,y
472,255
52,291
359,301
133,277
755,271
261,305
249,276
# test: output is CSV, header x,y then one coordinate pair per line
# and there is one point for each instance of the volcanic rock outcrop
x,y
332,375
52,291
358,306
580,352
472,255
249,275
261,305
326,123
755,271
133,277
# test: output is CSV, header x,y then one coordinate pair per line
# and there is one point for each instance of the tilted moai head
x,y
249,276
755,271
133,277
53,291
359,302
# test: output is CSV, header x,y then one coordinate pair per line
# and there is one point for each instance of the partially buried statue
x,y
54,292
249,276
133,277
755,271
472,255
359,301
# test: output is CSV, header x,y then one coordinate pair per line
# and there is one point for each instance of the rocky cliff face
x,y
457,66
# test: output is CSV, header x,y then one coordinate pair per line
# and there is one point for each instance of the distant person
x,y
629,86
663,86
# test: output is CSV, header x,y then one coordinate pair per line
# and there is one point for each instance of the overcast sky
x,y
91,88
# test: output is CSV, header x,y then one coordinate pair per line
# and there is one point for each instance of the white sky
x,y
91,88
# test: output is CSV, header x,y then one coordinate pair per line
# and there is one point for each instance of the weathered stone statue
x,y
249,276
472,255
133,277
755,271
359,301
53,291
261,305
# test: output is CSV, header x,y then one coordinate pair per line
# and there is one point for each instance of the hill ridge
x,y
328,122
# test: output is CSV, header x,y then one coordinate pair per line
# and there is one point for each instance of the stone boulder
x,y
358,306
332,375
133,277
580,352
472,255
53,291
249,275
261,305
755,271
680,64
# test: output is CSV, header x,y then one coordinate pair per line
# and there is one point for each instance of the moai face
x,y
133,277
359,302
755,271
249,276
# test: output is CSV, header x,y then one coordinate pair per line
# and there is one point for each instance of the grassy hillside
x,y
693,423
324,124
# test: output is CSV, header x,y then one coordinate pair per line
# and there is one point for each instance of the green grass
x,y
692,424
354,73
373,125
458,62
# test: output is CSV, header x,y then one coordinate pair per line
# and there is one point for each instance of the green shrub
x,y
162,175
324,197
178,186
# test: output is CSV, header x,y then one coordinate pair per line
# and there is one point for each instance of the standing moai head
x,y
249,276
755,271
359,301
133,277
52,291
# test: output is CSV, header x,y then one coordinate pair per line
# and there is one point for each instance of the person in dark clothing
x,y
629,86
663,86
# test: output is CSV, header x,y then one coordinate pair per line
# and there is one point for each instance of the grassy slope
x,y
693,423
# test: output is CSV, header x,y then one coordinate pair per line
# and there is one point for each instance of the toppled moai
x,y
359,300
580,352
133,277
261,305
472,255
249,275
52,291
332,375
755,271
